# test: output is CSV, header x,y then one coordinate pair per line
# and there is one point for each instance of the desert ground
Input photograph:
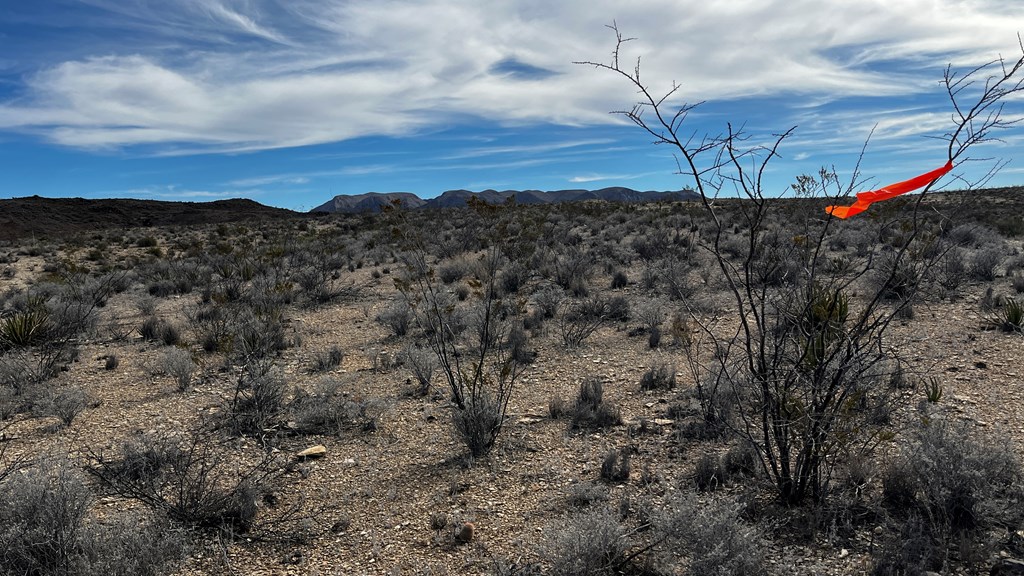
x,y
281,396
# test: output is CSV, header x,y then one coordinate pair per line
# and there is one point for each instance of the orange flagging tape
x,y
865,199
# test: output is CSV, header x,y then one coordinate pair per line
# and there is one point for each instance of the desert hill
x,y
60,217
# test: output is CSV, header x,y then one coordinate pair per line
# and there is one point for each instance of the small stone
x,y
878,530
844,553
318,451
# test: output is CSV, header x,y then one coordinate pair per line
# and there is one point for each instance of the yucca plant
x,y
1010,316
24,328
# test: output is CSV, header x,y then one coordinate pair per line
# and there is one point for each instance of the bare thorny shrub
x,y
475,357
794,358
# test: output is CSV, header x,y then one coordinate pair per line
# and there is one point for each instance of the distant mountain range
x,y
372,201
59,217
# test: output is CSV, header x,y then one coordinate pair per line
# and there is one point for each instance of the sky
x,y
290,102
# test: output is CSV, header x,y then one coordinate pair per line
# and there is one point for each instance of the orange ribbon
x,y
865,199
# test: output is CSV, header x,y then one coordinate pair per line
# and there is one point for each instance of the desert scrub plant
x,y
397,317
259,400
481,372
710,474
26,327
948,487
615,467
590,410
658,377
327,360
66,403
792,382
329,409
156,329
423,363
592,543
193,482
178,364
711,534
46,529
985,262
579,319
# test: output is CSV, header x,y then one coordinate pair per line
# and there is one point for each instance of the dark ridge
x,y
39,217
372,201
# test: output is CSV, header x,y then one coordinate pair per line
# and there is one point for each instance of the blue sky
x,y
290,102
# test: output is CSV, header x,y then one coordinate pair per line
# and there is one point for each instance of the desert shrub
x,y
615,467
949,486
258,334
328,409
712,535
896,278
741,459
478,423
212,327
66,403
25,327
658,377
985,262
572,271
159,330
678,283
453,271
619,280
1018,284
556,407
517,344
327,360
423,364
618,309
196,483
579,319
178,363
45,529
548,300
513,277
952,269
590,410
259,400
586,493
588,544
397,317
709,475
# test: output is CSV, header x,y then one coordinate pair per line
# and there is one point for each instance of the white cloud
x,y
253,74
